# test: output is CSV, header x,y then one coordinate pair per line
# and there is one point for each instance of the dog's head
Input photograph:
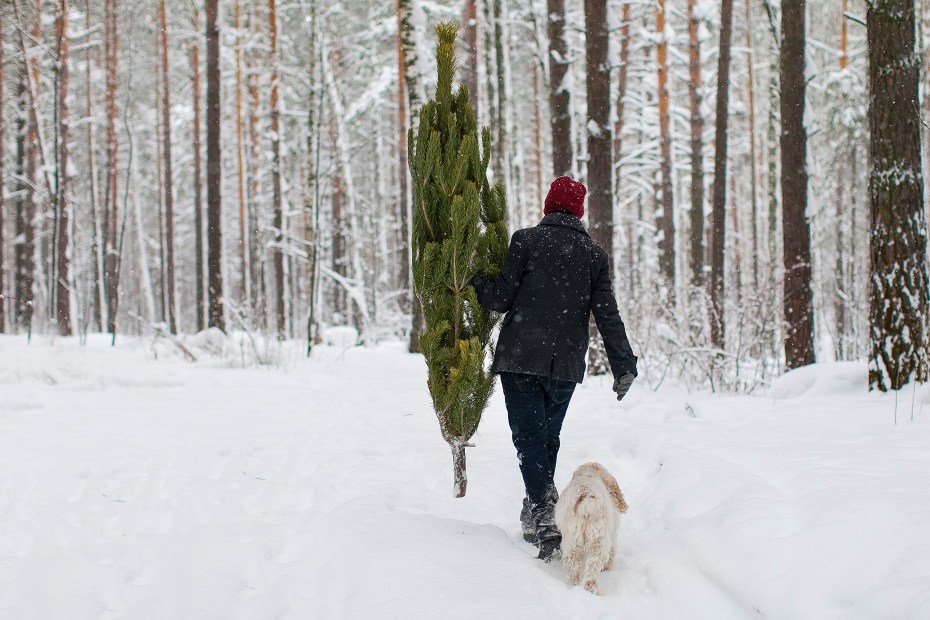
x,y
610,482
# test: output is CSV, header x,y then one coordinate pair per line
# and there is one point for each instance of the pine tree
x,y
458,231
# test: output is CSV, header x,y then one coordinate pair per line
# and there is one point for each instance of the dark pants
x,y
536,408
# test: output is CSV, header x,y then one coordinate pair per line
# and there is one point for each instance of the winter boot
x,y
527,522
548,536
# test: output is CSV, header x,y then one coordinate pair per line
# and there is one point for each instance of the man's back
x,y
554,276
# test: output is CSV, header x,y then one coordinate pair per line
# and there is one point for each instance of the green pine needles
x,y
458,232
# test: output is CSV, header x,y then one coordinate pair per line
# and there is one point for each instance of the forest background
x,y
170,165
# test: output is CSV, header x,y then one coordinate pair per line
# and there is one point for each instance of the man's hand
x,y
622,384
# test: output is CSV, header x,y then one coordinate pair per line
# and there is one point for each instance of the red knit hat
x,y
566,194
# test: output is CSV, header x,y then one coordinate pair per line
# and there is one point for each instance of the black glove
x,y
476,282
622,384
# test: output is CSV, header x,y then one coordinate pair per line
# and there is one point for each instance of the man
x,y
553,278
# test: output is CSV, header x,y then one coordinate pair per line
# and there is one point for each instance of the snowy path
x,y
135,488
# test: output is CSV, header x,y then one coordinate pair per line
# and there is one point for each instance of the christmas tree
x,y
458,232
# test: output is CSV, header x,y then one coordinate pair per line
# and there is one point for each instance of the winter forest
x,y
754,168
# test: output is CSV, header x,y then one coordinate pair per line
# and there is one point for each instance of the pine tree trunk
x,y
170,299
63,250
244,258
754,198
99,301
111,209
898,298
25,207
214,171
403,17
198,177
312,201
280,313
720,177
697,148
256,199
470,66
2,186
798,303
560,92
666,219
600,168
460,475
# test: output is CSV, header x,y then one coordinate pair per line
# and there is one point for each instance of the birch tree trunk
x,y
898,297
560,94
798,301
170,298
720,177
754,191
214,171
25,206
99,302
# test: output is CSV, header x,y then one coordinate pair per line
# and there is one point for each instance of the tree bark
x,y
560,95
281,319
720,177
198,176
244,258
899,307
63,267
754,199
666,199
170,298
25,206
600,167
697,147
2,185
111,208
214,171
470,70
798,300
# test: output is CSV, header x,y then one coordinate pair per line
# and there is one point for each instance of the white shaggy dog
x,y
587,514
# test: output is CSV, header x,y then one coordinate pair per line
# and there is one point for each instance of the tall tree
x,y
666,219
170,299
560,93
244,256
458,231
214,171
62,206
600,167
899,307
111,209
754,193
720,176
25,204
470,70
198,176
697,147
798,297
277,207
406,100
2,185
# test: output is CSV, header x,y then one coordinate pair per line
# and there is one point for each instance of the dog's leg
x,y
572,562
595,560
610,556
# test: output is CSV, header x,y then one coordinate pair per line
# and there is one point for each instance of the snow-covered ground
x,y
135,487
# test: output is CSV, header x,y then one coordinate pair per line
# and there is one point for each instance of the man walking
x,y
553,278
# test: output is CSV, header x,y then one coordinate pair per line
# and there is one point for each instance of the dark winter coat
x,y
554,277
